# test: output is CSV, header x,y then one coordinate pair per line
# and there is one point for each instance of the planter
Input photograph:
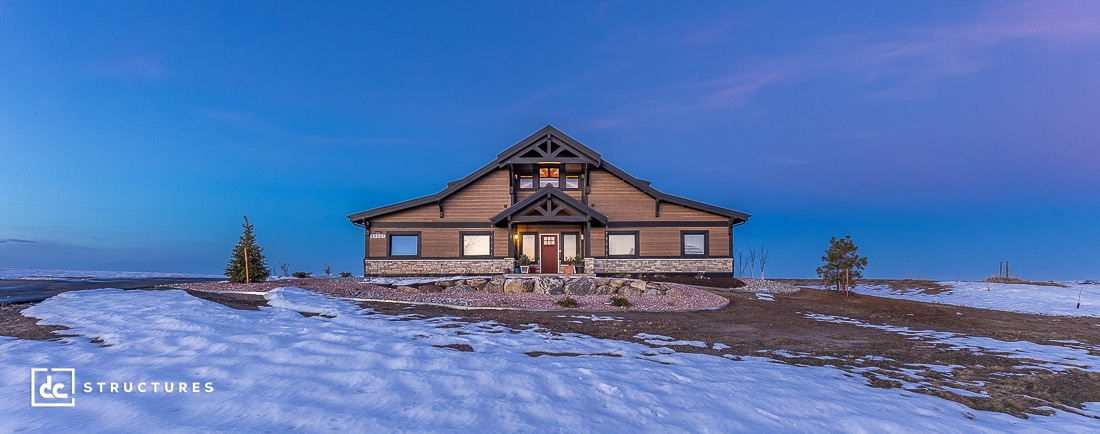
x,y
580,269
570,269
524,269
517,270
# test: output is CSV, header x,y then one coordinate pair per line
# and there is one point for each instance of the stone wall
x,y
675,265
430,267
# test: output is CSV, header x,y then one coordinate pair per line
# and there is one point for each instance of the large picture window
x,y
404,244
476,243
568,246
694,243
622,243
529,245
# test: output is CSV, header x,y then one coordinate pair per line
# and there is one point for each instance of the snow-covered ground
x,y
1046,300
50,274
355,370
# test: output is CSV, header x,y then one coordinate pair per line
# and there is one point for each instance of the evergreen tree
x,y
841,258
257,265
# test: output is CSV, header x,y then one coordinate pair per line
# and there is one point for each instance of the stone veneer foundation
x,y
432,267
675,265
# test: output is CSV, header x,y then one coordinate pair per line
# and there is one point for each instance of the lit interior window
x,y
548,176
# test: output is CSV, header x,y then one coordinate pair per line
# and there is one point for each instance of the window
x,y
549,176
568,246
405,244
528,245
694,243
476,243
622,243
526,182
572,182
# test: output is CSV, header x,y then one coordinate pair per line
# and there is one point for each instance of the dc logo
x,y
53,387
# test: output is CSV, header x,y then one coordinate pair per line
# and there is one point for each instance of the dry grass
x,y
1019,281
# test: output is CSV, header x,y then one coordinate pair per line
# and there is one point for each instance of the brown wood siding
x,y
440,242
665,242
620,201
477,202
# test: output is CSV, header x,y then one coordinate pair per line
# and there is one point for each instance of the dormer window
x,y
526,182
549,176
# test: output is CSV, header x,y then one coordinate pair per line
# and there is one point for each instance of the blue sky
x,y
943,136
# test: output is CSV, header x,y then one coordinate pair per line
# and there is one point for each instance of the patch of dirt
x,y
466,348
544,353
13,323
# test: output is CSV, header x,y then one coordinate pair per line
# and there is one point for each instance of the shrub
x,y
301,274
619,302
567,302
345,274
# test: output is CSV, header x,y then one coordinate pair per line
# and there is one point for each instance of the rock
x,y
637,284
615,283
406,288
579,286
652,292
549,285
460,288
478,284
674,292
430,289
604,290
630,290
494,286
601,281
519,286
661,288
446,283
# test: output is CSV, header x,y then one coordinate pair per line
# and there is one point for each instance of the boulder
x,y
601,281
430,289
630,290
674,292
447,283
478,284
519,286
460,288
494,286
656,286
405,288
615,283
579,286
636,284
604,290
549,285
652,292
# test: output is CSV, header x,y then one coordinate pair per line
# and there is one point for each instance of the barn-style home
x,y
548,198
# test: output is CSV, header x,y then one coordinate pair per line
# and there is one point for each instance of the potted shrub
x,y
524,264
577,262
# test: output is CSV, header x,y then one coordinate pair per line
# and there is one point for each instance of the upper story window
x,y
536,176
549,176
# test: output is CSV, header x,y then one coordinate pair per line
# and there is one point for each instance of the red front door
x,y
549,254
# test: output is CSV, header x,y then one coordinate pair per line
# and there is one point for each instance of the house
x,y
551,198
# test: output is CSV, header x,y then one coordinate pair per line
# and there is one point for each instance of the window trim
x,y
462,243
389,244
607,243
706,244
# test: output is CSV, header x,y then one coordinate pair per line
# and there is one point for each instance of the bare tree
x,y
752,261
764,256
328,269
285,267
740,264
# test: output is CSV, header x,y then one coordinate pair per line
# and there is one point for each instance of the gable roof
x,y
549,144
545,203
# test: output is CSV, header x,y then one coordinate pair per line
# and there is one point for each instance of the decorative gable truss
x,y
549,204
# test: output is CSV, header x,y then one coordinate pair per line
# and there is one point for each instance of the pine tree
x,y
257,265
841,262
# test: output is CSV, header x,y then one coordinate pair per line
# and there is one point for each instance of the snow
x,y
52,274
350,369
1045,300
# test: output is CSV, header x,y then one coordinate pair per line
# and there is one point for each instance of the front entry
x,y
549,254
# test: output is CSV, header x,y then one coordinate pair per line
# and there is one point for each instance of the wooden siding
x,y
664,242
478,202
440,242
622,202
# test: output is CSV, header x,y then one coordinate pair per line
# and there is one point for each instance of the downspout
x,y
733,267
